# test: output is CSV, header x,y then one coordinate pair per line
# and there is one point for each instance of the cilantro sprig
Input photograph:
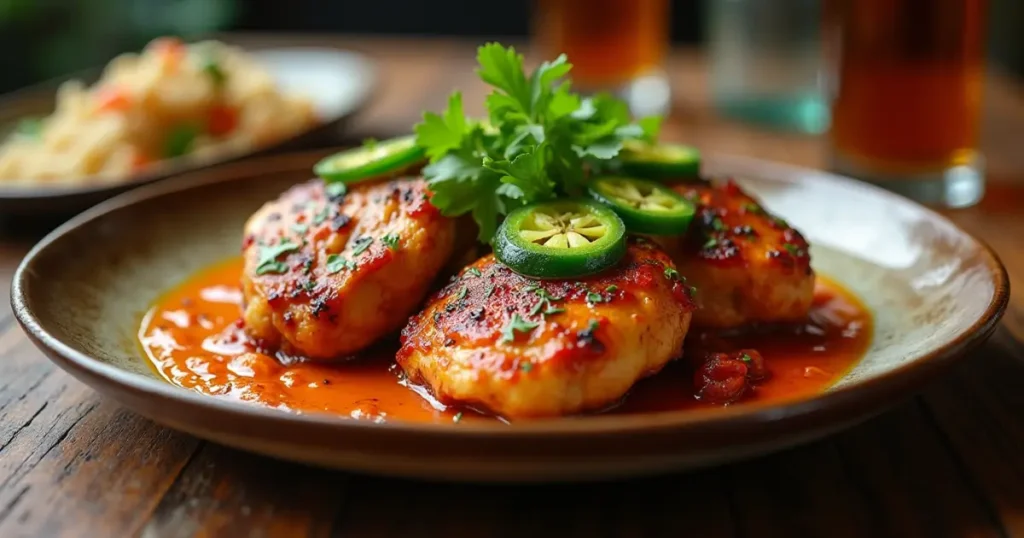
x,y
538,142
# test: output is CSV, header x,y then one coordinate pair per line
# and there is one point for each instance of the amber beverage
x,y
907,94
611,43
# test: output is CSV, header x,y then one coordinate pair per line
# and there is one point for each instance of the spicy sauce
x,y
194,338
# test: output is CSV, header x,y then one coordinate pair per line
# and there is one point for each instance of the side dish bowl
x,y
338,82
934,292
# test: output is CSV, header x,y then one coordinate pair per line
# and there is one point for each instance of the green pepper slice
x,y
659,161
180,139
645,207
561,239
373,160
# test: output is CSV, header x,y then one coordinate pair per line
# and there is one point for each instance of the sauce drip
x,y
193,337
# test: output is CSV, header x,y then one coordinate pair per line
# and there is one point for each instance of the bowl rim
x,y
873,391
368,74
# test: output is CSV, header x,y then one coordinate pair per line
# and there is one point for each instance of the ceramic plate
x,y
339,82
934,290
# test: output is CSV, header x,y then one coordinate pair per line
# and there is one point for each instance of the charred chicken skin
x,y
747,265
519,348
328,272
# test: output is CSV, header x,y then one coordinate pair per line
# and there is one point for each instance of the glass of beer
x,y
613,45
906,97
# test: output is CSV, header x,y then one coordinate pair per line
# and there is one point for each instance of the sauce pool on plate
x,y
194,339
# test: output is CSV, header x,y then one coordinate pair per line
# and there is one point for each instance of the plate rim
x,y
872,393
169,168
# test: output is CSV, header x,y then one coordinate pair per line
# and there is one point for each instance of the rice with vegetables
x,y
171,100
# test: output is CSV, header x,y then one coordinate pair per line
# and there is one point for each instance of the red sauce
x,y
194,339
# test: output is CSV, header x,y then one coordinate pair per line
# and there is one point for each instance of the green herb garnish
x,y
336,263
268,262
457,417
593,298
391,240
553,310
473,271
526,367
516,324
538,139
671,273
361,245
335,190
612,288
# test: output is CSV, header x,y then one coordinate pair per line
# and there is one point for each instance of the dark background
x,y
44,39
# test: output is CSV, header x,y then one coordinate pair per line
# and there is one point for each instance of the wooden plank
x,y
979,409
226,492
910,479
61,445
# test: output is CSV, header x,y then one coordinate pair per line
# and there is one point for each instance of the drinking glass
x,y
905,106
766,62
614,45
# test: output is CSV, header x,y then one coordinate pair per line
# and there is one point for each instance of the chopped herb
x,y
612,288
321,216
391,240
793,249
543,294
717,224
553,310
531,287
593,325
712,243
745,358
536,308
781,223
336,263
671,273
593,298
752,208
268,257
516,324
490,290
299,228
457,417
462,294
361,245
526,367
309,285
335,191
693,289
473,271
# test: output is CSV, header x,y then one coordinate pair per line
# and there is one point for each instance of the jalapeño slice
x,y
561,239
645,207
377,159
659,161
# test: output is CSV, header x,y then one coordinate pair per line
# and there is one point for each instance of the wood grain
x,y
944,463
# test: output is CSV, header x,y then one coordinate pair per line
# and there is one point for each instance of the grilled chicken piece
x,y
327,273
520,348
748,266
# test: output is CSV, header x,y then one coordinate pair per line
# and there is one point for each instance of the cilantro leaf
x,y
517,323
439,135
503,69
540,140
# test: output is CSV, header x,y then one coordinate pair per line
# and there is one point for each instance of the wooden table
x,y
947,462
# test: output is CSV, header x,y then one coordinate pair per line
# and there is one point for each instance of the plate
x,y
338,81
934,290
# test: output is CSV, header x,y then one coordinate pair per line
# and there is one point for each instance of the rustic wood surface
x,y
946,462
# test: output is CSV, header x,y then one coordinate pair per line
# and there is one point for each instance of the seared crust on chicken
x,y
328,273
517,347
748,266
